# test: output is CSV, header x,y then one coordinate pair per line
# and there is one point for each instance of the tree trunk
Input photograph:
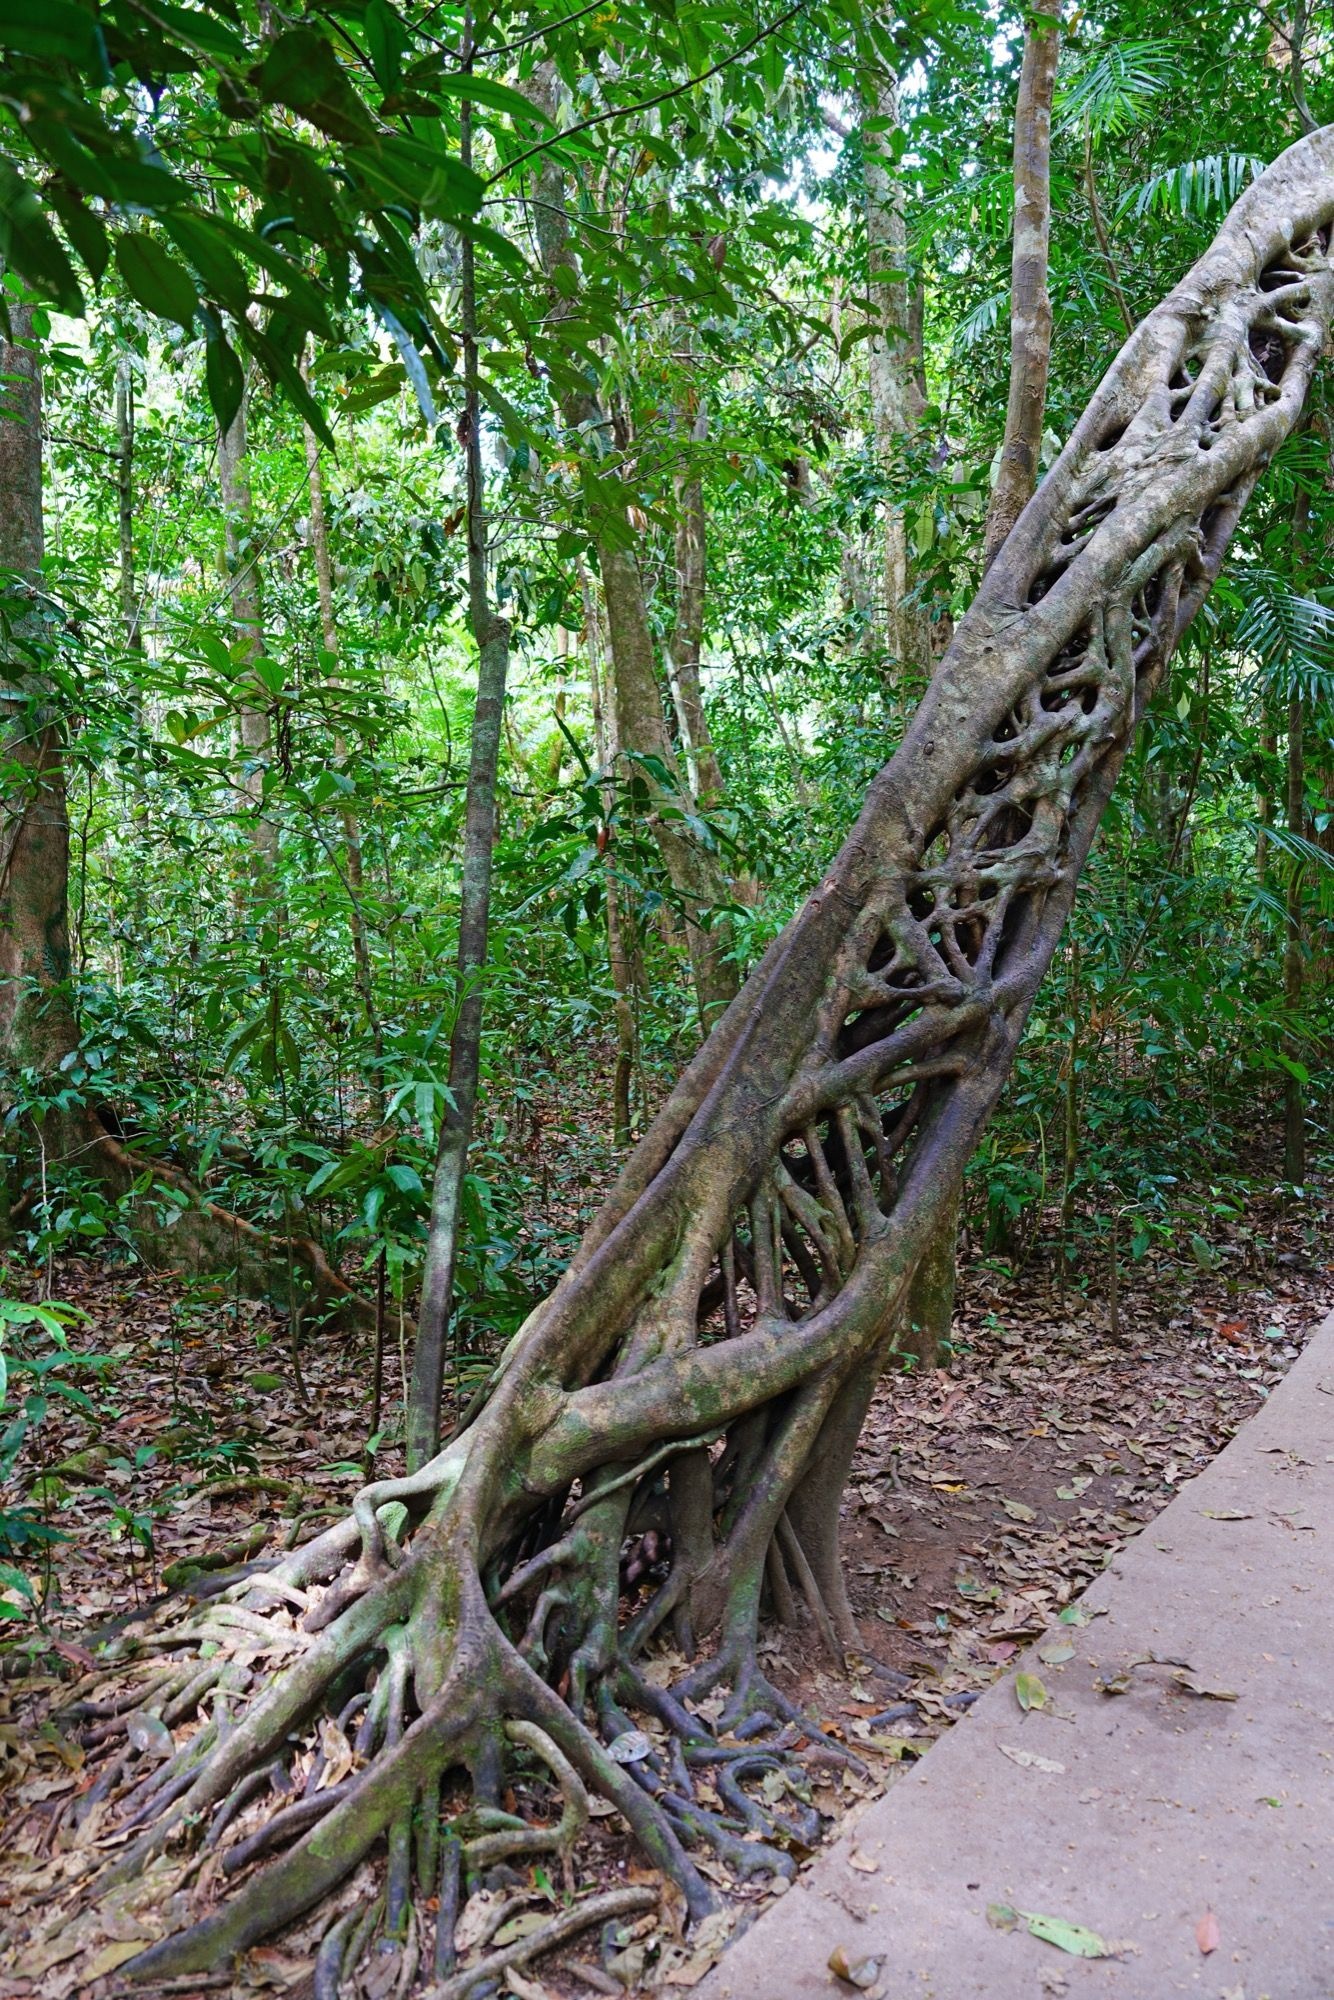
x,y
622,956
492,635
641,725
1264,803
686,646
244,586
1030,307
1294,955
37,1024
354,876
928,1310
124,416
642,731
806,1151
896,396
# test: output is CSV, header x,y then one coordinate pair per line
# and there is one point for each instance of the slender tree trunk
x,y
928,1312
1294,954
1030,306
686,645
356,885
1104,240
1264,802
492,636
896,396
641,730
37,1024
124,415
623,959
245,588
641,724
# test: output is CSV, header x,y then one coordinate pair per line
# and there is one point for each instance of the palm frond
x,y
1286,634
1111,90
1197,189
976,325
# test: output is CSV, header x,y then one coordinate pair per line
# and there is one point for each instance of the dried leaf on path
x,y
1029,1760
1192,1684
853,1969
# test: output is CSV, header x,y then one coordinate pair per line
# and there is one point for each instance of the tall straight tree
x,y
685,644
245,588
1030,303
37,1022
641,725
491,633
897,401
123,400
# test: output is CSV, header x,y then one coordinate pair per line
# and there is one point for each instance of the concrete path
x,y
1172,1818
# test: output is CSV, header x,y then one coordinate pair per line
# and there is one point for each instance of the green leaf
x,y
1030,1692
271,674
495,96
219,270
281,370
28,242
419,176
83,228
224,378
153,277
386,43
199,28
1074,1938
302,72
51,28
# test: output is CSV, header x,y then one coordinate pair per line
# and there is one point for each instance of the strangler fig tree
x,y
704,1365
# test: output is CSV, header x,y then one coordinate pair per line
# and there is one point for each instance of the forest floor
x,y
985,1495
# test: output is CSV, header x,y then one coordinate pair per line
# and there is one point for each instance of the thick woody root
x,y
357,1712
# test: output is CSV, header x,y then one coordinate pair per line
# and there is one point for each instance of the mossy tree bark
x,y
37,1024
704,1365
685,646
897,400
